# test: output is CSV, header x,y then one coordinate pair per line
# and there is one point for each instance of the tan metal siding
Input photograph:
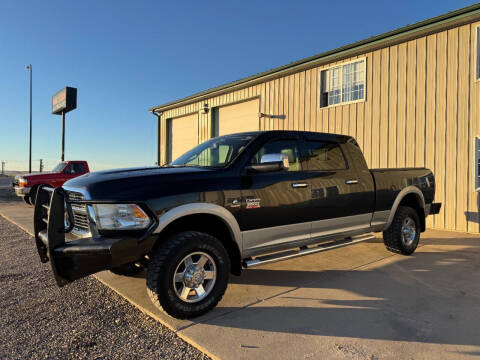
x,y
472,212
422,108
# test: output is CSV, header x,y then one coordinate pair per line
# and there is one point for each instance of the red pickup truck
x,y
26,185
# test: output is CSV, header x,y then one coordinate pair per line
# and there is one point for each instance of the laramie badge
x,y
253,203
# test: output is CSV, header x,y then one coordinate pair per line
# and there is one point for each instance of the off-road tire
x,y
27,200
127,270
163,263
392,237
33,195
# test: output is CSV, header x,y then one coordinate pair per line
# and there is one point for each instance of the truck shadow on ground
x,y
432,296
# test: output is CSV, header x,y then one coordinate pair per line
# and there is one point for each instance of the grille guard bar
x,y
49,224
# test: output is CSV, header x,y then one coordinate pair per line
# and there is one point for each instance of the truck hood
x,y
139,184
28,176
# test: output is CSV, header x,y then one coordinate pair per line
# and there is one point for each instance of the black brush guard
x,y
76,258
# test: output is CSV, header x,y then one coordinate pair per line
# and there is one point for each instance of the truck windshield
x,y
59,167
217,152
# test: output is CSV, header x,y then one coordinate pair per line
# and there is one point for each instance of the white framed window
x,y
344,83
477,163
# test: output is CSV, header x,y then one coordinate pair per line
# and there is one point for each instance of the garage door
x,y
183,135
238,117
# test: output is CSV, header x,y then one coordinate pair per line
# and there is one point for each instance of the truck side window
x,y
79,168
287,147
75,168
322,155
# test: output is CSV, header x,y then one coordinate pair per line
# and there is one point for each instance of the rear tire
x,y
403,234
188,274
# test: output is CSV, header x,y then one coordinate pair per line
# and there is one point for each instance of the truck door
x,y
341,198
274,204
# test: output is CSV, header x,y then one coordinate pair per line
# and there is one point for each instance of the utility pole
x,y
63,135
41,164
3,167
29,67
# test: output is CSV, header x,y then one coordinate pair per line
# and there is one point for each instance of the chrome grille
x,y
80,214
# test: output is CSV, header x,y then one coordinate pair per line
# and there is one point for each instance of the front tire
x,y
27,200
33,195
188,274
403,234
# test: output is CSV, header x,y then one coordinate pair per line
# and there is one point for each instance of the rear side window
x,y
75,168
322,155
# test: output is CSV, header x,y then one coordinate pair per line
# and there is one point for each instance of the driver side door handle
x,y
299,185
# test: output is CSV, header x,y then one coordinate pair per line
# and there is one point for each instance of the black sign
x,y
64,100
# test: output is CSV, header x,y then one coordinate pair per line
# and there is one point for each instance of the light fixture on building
x,y
204,109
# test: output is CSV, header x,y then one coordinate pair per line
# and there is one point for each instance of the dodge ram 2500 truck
x,y
233,202
26,185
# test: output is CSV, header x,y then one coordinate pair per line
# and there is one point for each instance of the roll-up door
x,y
238,117
183,135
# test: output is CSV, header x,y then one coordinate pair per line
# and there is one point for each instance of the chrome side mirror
x,y
276,158
270,163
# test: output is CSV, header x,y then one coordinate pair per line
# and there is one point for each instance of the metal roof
x,y
456,17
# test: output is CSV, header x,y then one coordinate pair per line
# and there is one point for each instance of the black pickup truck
x,y
233,202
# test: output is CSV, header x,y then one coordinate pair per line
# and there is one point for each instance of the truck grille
x,y
80,214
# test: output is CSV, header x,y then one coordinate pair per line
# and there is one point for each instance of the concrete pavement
x,y
355,302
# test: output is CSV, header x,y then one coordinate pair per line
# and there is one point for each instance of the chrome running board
x,y
303,251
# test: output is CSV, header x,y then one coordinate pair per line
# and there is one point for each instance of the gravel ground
x,y
82,320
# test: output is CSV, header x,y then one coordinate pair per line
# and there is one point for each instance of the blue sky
x,y
127,56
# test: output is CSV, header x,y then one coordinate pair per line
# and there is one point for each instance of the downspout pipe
x,y
159,116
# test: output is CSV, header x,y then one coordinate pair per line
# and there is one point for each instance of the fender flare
x,y
202,208
405,191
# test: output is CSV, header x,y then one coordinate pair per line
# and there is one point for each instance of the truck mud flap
x,y
435,208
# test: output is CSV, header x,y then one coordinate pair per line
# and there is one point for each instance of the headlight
x,y
22,182
120,217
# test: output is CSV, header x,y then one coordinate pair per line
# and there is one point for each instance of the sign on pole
x,y
64,101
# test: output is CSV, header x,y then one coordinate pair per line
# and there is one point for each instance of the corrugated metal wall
x,y
422,108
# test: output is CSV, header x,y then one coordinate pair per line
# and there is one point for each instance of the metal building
x,y
411,98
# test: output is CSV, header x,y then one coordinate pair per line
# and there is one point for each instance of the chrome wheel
x,y
409,231
195,277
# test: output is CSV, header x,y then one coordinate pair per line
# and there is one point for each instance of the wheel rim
x,y
195,277
409,231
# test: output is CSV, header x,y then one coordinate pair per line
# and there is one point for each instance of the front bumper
x,y
73,258
21,191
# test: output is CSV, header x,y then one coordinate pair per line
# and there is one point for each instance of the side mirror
x,y
270,163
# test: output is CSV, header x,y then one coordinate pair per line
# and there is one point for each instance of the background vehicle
x,y
26,185
235,201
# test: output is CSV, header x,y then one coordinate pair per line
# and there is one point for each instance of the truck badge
x,y
253,203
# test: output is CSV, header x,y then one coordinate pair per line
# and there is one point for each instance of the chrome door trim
x,y
344,224
276,235
299,185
